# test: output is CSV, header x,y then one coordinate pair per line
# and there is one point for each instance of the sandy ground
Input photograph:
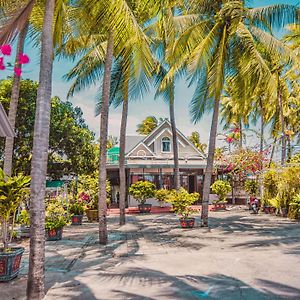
x,y
241,256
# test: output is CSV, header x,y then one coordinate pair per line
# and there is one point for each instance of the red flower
x,y
236,130
229,139
2,67
18,71
6,49
23,59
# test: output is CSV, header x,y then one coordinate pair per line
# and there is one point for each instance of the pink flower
x,y
6,49
2,67
229,139
18,71
23,59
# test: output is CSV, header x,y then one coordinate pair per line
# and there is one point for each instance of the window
x,y
166,145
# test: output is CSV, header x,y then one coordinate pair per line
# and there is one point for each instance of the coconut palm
x,y
223,43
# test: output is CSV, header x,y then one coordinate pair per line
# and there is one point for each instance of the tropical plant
x,y
181,201
12,192
251,187
142,190
162,195
56,216
195,139
23,218
270,185
147,125
294,207
221,188
223,43
76,208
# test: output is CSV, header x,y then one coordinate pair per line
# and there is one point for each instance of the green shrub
x,y
76,208
270,186
162,195
142,190
181,201
251,187
23,218
56,216
221,188
294,207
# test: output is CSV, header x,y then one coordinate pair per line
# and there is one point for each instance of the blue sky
x,y
137,110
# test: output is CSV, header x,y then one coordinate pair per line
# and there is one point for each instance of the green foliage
x,y
274,202
294,207
76,208
251,187
23,218
162,195
195,139
181,201
270,184
295,159
147,125
142,190
13,191
56,216
221,188
72,146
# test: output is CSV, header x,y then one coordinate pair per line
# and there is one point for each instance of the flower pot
x,y
77,219
267,209
272,210
92,215
219,206
54,234
10,263
144,208
283,212
187,222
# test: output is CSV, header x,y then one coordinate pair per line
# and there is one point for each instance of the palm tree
x,y
9,142
222,43
147,125
195,139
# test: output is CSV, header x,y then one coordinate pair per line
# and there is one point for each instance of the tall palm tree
x,y
222,43
9,142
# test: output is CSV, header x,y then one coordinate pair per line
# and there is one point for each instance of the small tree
x,y
12,192
251,187
142,190
181,201
221,188
294,207
56,216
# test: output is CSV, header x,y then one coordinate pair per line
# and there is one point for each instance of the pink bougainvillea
x,y
23,59
6,49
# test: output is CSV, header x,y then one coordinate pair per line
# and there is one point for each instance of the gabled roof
x,y
132,141
142,145
5,127
156,132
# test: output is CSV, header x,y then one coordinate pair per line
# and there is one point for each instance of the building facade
x,y
151,158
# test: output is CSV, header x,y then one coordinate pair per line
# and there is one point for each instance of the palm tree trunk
x,y
175,139
13,106
241,135
210,164
283,137
122,170
103,140
35,284
273,151
262,127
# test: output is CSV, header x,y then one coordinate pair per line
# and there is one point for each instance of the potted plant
x,y
162,195
251,188
56,219
12,192
141,191
181,201
221,188
23,220
76,210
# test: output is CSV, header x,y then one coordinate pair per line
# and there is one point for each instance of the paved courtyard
x,y
241,256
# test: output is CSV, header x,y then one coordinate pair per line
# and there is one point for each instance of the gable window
x,y
166,145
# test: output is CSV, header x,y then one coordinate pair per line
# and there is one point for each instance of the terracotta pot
x,y
272,210
54,234
219,206
92,215
77,219
144,208
267,209
10,263
187,222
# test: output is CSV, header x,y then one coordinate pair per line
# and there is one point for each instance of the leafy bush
x,y
23,218
76,208
13,191
181,201
162,195
251,187
294,207
270,183
221,188
142,190
56,216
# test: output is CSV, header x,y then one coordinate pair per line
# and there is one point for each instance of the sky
x,y
139,109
